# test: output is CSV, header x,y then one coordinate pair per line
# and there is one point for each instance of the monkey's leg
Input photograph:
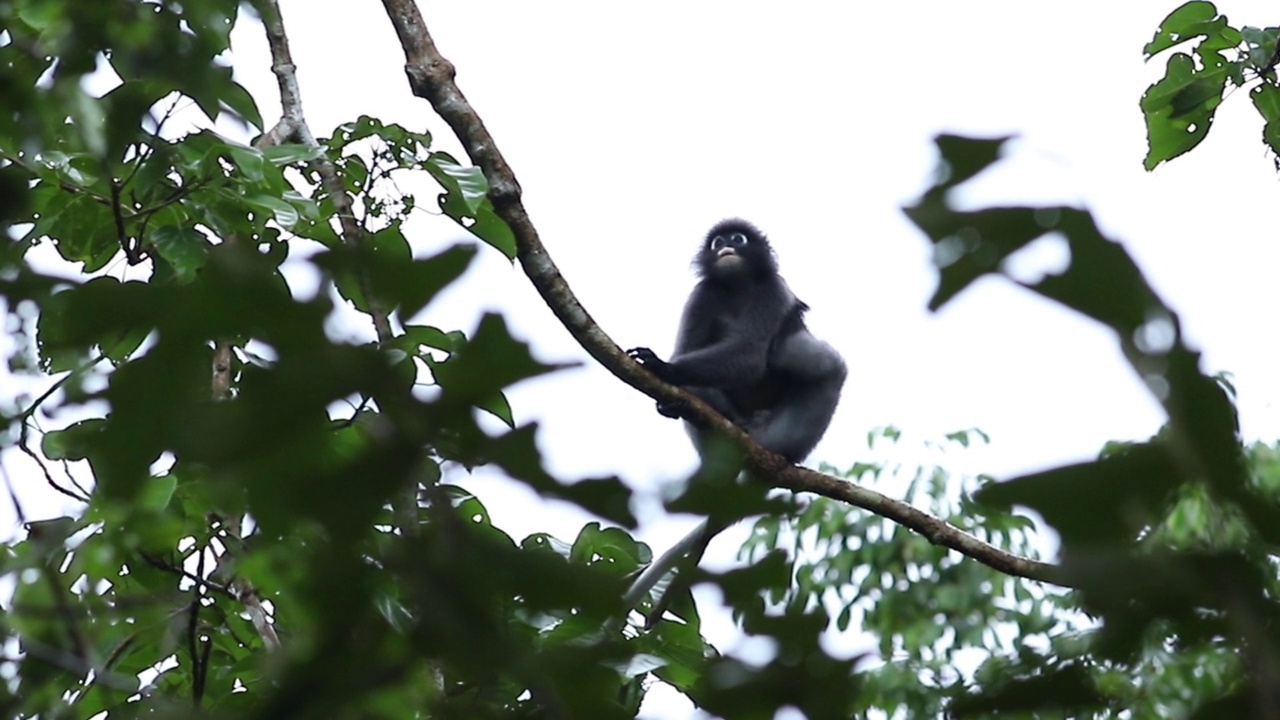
x,y
686,554
796,424
680,559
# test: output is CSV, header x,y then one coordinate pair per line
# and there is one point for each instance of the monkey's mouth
x,y
724,253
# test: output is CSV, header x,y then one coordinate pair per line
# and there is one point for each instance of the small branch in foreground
x,y
48,476
431,76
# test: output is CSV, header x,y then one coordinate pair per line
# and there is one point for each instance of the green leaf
x,y
684,650
612,548
103,312
121,350
498,406
1261,44
400,282
74,442
283,213
1179,108
157,492
185,248
42,16
1107,501
242,104
1266,98
490,361
415,336
1069,687
1189,21
638,665
466,201
291,153
249,160
82,230
468,182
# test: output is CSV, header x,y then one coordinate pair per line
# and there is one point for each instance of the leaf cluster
x,y
1180,107
1167,542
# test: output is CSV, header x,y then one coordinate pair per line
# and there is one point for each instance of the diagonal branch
x,y
934,529
431,76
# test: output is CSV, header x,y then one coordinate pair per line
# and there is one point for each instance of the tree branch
x,y
293,126
431,76
934,529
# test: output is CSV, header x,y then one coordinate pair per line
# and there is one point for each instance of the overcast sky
x,y
634,127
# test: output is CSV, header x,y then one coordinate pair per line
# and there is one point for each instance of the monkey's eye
x,y
732,240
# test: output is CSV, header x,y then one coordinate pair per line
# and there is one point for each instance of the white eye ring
x,y
738,238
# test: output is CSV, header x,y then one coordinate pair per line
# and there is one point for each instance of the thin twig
x,y
24,424
48,476
127,244
431,76
35,404
24,417
159,564
13,496
63,184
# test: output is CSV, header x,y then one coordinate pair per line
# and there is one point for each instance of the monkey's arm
x,y
722,365
716,357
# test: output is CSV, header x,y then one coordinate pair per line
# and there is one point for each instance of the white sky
x,y
634,127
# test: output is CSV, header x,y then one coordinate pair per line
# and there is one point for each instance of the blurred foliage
x,y
1179,108
255,556
288,545
1168,544
293,545
944,636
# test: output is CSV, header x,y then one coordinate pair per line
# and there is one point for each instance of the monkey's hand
x,y
674,410
651,362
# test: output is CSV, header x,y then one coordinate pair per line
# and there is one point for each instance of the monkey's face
x,y
735,250
728,250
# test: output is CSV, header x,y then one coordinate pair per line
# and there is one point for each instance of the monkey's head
x,y
735,250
